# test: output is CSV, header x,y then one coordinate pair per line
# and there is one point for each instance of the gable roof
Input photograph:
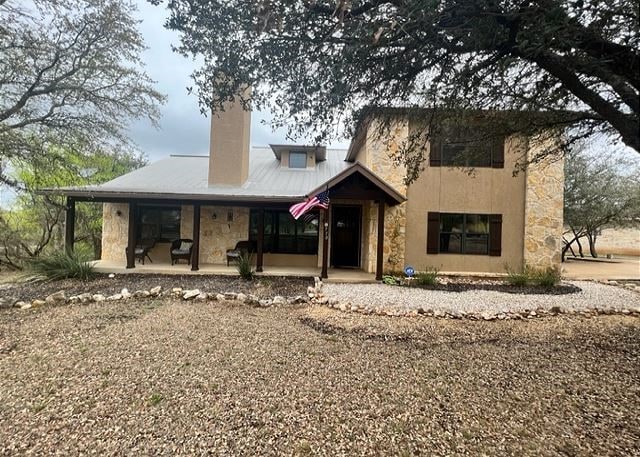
x,y
393,196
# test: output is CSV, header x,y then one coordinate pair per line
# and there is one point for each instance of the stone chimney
x,y
229,144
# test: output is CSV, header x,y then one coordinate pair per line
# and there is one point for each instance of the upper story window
x,y
467,147
297,159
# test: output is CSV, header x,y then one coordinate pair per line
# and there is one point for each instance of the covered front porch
x,y
349,234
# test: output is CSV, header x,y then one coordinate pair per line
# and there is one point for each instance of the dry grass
x,y
184,378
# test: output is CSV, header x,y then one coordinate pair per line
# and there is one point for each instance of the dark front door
x,y
345,236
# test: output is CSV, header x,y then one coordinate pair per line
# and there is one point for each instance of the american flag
x,y
321,200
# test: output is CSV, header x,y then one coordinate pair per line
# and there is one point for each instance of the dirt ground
x,y
183,378
617,268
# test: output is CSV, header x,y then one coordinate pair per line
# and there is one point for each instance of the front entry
x,y
346,223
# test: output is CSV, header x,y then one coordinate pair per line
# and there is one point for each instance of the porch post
x,y
131,242
195,252
380,251
69,225
260,243
325,245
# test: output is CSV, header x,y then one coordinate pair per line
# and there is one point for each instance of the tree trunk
x,y
592,244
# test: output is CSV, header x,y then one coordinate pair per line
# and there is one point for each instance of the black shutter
x,y
435,152
495,234
433,233
497,153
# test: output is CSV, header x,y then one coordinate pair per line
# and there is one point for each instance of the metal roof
x,y
187,177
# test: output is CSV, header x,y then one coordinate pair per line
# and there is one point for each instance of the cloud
x,y
183,129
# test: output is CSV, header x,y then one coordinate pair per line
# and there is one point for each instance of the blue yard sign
x,y
409,271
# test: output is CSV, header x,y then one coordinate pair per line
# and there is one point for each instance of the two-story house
x,y
449,218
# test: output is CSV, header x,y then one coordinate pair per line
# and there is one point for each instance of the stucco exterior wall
x,y
115,229
480,191
543,211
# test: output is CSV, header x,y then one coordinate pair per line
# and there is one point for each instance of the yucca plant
x,y
546,277
518,278
428,277
62,265
245,266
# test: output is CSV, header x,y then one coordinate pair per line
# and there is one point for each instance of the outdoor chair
x,y
242,247
141,251
181,250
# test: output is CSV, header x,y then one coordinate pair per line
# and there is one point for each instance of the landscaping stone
x,y
125,293
56,298
241,297
189,294
98,298
85,298
279,300
155,291
36,303
141,294
114,297
265,303
230,295
220,297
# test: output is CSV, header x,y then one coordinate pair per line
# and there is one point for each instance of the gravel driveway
x,y
185,378
592,295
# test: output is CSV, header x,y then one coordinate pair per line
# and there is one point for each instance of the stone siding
x,y
216,235
115,231
378,158
544,198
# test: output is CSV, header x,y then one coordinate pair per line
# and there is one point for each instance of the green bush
x,y
543,277
518,278
62,265
546,277
429,277
245,266
390,280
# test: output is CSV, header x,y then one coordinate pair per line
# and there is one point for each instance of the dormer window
x,y
297,159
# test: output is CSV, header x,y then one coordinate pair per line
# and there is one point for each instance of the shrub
x,y
245,266
518,278
428,278
390,280
62,265
543,277
546,277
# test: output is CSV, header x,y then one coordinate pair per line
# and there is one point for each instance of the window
x,y
470,154
297,159
159,224
464,233
467,146
284,235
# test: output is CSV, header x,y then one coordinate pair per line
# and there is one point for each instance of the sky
x,y
183,129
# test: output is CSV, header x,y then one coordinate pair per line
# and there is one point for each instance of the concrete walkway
x,y
336,275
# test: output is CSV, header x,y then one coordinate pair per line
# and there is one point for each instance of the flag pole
x,y
325,244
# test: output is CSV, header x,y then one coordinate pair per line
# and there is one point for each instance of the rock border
x,y
315,295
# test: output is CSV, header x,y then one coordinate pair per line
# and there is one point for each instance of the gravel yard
x,y
172,377
589,295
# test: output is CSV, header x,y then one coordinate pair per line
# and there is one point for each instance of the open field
x,y
175,377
